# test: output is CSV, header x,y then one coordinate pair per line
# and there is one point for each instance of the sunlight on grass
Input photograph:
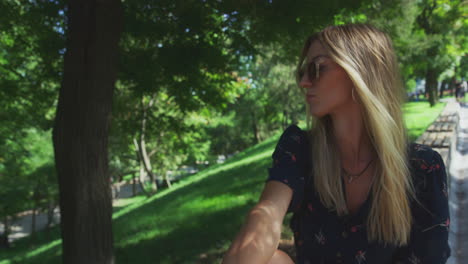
x,y
202,204
418,117
141,236
34,253
197,177
44,248
126,201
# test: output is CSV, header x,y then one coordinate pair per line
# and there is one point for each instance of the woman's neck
x,y
351,136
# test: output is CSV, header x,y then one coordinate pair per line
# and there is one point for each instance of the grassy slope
x,y
196,220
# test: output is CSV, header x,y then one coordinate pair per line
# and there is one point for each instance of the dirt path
x,y
21,227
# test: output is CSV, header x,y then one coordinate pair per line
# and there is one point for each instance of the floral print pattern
x,y
321,236
360,257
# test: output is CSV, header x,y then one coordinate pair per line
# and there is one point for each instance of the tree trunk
x,y
143,171
142,186
255,129
33,223
442,88
134,185
452,82
36,199
81,129
4,240
50,214
431,86
147,165
142,144
168,182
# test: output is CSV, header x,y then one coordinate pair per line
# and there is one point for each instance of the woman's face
x,y
330,93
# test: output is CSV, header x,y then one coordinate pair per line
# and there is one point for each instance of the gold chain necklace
x,y
351,177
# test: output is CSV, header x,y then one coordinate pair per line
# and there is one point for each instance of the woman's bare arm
x,y
259,237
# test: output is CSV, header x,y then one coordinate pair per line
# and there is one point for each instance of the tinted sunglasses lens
x,y
313,71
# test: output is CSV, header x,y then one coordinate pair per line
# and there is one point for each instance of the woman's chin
x,y
316,112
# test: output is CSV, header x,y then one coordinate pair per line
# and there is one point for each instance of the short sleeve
x,y
289,163
429,236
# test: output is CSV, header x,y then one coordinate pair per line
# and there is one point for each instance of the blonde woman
x,y
359,192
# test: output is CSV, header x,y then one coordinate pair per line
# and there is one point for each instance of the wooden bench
x,y
441,134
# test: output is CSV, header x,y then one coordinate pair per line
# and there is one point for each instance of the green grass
x,y
418,116
196,220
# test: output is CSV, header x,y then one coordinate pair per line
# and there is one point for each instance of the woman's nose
x,y
305,81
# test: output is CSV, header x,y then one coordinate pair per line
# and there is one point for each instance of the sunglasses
x,y
312,70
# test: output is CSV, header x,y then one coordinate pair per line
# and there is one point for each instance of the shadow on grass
x,y
188,243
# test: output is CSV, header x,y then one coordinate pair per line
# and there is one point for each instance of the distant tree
x,y
442,22
429,36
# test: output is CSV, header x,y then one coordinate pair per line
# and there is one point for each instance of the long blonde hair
x,y
368,57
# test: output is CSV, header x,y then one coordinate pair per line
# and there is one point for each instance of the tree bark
x,y
36,200
255,131
81,130
142,168
431,86
452,82
142,145
4,240
147,165
133,185
168,182
50,214
442,88
33,223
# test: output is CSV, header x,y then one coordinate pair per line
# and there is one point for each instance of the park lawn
x,y
196,220
418,117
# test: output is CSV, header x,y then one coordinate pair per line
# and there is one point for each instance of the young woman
x,y
359,192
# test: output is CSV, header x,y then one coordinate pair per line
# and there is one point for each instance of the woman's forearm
x,y
258,238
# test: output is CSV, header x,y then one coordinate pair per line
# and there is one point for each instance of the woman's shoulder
x,y
427,168
294,133
423,158
293,142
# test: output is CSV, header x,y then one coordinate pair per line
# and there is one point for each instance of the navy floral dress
x,y
321,236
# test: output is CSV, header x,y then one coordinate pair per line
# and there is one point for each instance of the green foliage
x,y
463,68
30,65
27,172
165,36
426,34
410,85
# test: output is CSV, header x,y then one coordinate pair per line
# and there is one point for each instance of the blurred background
x,y
200,92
